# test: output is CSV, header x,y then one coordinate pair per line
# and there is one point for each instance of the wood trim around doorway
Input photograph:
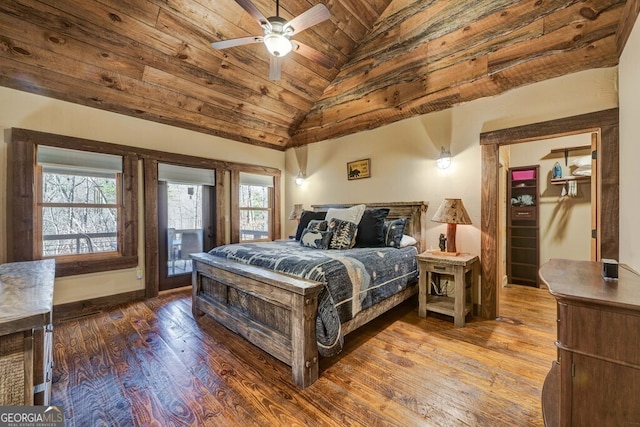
x,y
603,122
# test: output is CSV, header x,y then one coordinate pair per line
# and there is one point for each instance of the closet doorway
x,y
553,212
606,125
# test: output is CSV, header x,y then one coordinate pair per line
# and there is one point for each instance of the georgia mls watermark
x,y
31,416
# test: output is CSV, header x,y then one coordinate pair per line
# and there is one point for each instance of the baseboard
x,y
76,309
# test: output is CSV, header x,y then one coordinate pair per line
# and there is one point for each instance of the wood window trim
x,y
22,224
85,257
607,124
21,153
275,232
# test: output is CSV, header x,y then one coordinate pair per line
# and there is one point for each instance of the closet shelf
x,y
523,234
562,150
566,150
562,181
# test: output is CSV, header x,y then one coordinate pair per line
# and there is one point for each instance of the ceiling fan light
x,y
277,44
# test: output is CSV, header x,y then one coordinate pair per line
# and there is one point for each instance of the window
x,y
256,207
79,203
78,213
77,206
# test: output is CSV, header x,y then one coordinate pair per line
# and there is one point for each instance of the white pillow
x,y
407,241
352,214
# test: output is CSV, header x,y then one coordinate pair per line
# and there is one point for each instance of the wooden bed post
x,y
304,352
196,284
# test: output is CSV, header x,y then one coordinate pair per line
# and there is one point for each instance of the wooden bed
x,y
276,311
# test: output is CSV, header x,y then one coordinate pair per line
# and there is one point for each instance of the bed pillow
x,y
304,221
371,228
315,239
344,233
393,231
407,241
352,214
317,225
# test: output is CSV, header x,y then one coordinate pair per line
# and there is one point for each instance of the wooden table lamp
x,y
451,212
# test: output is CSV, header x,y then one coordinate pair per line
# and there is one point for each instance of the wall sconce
x,y
444,161
300,178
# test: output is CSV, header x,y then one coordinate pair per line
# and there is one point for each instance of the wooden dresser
x,y
26,301
596,379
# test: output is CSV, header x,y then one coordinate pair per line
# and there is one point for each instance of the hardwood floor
x,y
151,364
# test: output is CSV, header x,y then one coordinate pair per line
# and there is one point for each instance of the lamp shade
x,y
296,212
452,211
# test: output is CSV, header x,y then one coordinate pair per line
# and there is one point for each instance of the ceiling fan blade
x,y
311,17
275,67
313,54
254,12
223,44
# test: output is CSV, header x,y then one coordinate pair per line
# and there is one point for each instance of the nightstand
x,y
460,267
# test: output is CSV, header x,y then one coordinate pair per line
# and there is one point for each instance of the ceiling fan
x,y
277,35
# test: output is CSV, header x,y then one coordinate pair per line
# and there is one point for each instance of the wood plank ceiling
x,y
394,59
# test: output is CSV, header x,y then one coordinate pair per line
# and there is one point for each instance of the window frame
x,y
275,231
41,205
24,226
269,209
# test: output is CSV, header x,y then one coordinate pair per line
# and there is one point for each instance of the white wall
x,y
564,222
29,111
630,151
403,154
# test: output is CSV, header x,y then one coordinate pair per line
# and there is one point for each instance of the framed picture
x,y
359,169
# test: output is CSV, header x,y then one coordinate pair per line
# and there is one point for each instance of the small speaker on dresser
x,y
609,268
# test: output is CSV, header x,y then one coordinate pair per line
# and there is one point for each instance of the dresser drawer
x,y
440,268
528,212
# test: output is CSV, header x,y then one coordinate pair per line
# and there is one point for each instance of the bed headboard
x,y
415,212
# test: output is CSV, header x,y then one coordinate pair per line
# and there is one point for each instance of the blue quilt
x,y
354,279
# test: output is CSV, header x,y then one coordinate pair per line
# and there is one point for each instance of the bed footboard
x,y
274,311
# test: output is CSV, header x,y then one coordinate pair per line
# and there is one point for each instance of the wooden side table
x,y
458,266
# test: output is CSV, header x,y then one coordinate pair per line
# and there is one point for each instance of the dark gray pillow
x,y
344,233
393,231
304,221
371,228
315,239
317,225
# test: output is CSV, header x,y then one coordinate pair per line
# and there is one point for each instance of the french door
x,y
186,218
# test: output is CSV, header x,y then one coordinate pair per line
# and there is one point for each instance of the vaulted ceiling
x,y
393,59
